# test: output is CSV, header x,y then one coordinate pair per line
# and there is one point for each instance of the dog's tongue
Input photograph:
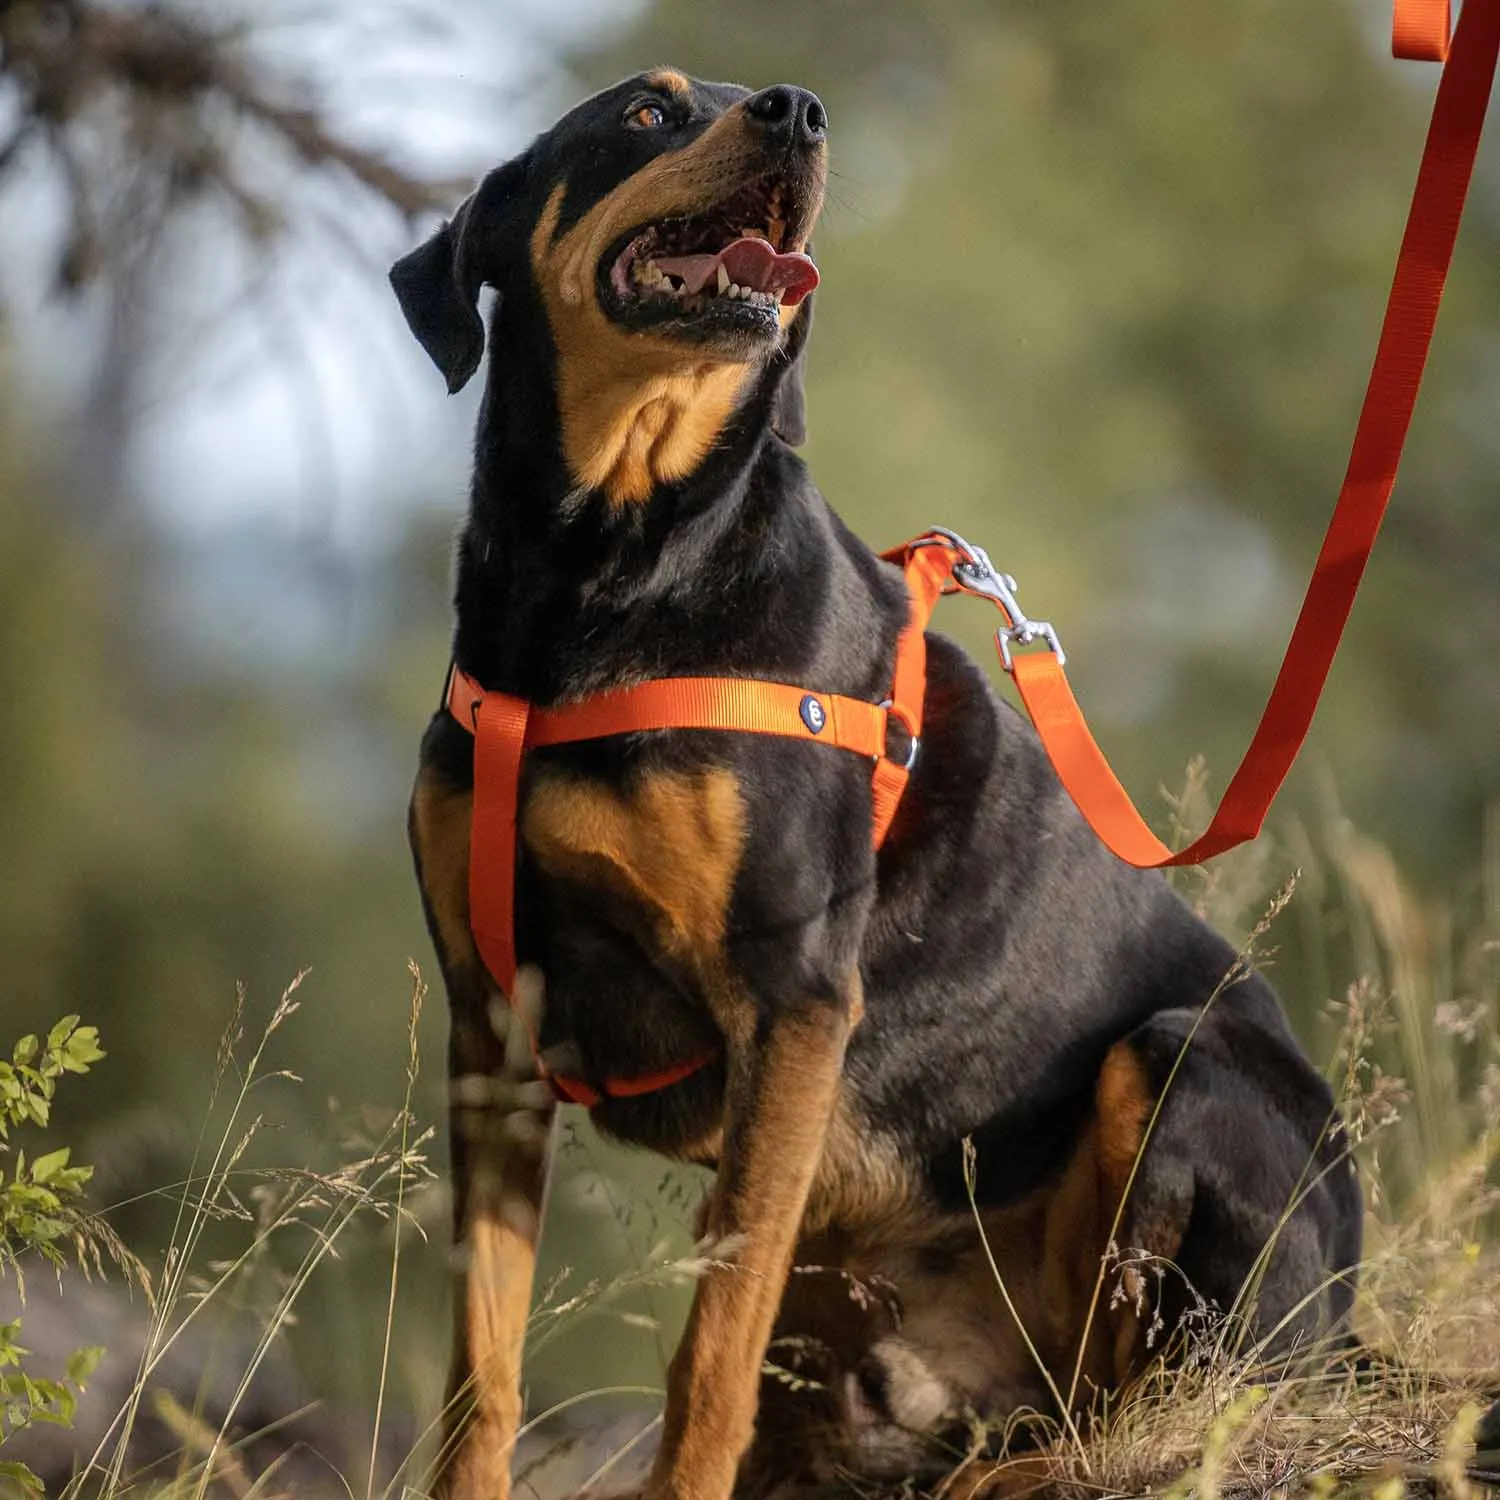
x,y
751,262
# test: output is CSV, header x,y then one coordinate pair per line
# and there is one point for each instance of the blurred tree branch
x,y
175,92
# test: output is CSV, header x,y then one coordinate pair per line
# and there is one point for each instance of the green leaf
x,y
82,1049
60,1408
70,1181
23,1478
61,1032
83,1362
45,1168
26,1050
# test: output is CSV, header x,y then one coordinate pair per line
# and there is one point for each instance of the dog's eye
x,y
645,116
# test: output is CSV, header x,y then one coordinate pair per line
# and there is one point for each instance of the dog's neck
x,y
546,561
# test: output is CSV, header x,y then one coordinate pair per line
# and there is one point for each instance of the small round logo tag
x,y
813,714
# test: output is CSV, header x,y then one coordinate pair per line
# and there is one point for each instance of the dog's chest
x,y
664,849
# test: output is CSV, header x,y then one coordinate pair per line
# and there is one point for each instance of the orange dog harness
x,y
942,562
504,728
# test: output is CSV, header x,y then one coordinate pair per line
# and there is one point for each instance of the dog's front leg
x,y
783,1078
502,1136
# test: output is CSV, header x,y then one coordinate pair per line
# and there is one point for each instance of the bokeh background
x,y
1100,289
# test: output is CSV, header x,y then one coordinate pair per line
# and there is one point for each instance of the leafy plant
x,y
39,1213
38,1199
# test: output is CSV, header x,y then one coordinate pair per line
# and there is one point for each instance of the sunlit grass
x,y
1416,1067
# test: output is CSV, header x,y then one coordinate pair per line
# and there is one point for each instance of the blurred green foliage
x,y
1101,291
1100,288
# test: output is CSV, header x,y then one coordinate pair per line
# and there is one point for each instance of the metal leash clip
x,y
974,573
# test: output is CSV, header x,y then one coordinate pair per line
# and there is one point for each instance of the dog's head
x,y
661,229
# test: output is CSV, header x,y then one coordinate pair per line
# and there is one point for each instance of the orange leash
x,y
1421,30
942,562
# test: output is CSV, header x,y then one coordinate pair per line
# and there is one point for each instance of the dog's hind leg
x,y
783,1079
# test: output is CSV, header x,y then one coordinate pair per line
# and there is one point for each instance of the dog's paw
x,y
899,1412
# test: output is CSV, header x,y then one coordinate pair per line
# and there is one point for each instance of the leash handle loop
x,y
1420,30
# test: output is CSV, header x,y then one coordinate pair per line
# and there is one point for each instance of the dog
x,y
823,1023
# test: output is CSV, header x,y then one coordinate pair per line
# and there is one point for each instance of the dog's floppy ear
x,y
789,405
438,283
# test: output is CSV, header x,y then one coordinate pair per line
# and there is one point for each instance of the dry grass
x,y
1417,1067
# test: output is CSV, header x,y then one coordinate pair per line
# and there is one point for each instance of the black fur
x,y
1003,950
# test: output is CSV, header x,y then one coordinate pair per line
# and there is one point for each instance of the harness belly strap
x,y
504,728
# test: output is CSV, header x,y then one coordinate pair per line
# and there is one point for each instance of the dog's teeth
x,y
725,284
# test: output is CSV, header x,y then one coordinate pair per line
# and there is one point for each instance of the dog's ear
x,y
789,405
438,283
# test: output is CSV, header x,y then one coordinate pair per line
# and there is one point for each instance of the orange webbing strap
x,y
498,723
1420,30
1426,252
500,727
744,704
504,728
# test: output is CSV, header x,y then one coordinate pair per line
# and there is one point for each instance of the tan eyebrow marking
x,y
670,80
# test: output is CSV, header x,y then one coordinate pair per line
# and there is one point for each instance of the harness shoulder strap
x,y
505,727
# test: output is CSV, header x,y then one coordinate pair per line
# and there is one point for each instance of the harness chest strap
x,y
505,727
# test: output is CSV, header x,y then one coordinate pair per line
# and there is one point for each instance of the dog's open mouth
x,y
730,268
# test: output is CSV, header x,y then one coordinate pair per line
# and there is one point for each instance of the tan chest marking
x,y
671,843
636,411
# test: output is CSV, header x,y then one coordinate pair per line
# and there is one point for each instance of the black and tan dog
x,y
993,973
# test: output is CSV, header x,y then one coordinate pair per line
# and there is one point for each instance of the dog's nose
x,y
788,113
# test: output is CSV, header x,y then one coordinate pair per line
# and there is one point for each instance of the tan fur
x,y
439,820
670,842
671,81
500,1189
496,1263
956,1345
1123,1106
862,1183
1123,1102
638,410
780,1097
